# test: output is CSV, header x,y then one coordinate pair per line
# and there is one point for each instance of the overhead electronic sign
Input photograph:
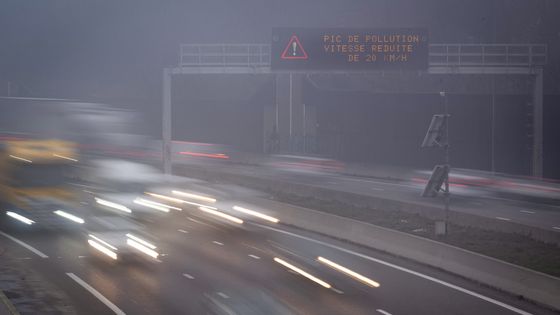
x,y
349,49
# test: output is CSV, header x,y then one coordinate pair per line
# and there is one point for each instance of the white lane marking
x,y
337,291
383,312
254,256
503,219
182,231
223,295
24,258
253,247
204,223
195,220
27,246
96,293
186,275
218,243
378,189
412,272
556,227
273,243
527,211
82,256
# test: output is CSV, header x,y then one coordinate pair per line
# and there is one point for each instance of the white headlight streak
x,y
301,272
20,217
256,214
221,215
348,272
69,216
112,205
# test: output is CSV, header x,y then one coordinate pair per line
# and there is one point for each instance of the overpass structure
x,y
290,117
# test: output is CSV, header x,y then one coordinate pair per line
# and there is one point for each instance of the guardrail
x,y
224,55
469,55
507,55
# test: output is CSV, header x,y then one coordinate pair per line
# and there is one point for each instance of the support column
x,y
290,112
310,128
537,169
166,121
269,125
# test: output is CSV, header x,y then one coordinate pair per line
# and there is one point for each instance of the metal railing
x,y
258,55
224,55
513,55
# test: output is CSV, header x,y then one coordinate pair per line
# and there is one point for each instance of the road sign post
x,y
447,165
166,121
438,136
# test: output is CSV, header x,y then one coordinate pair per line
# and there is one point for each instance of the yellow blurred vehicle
x,y
34,182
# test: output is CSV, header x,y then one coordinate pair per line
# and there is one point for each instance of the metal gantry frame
x,y
460,59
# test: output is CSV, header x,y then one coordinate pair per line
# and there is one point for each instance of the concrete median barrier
x,y
425,210
532,285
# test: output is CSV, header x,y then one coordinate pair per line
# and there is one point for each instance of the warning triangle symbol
x,y
294,49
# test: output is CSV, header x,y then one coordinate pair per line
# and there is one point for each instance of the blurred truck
x,y
34,182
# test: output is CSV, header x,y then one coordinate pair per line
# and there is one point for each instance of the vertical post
x,y
166,121
291,105
493,128
304,131
447,163
537,169
276,101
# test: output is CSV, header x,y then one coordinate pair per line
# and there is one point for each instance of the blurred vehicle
x,y
126,182
115,175
199,152
304,164
34,182
108,132
483,183
118,238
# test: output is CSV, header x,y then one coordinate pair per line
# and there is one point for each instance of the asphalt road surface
x,y
539,214
212,266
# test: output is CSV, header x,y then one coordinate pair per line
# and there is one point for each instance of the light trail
x,y
301,272
69,216
194,196
112,205
256,214
221,215
20,218
349,272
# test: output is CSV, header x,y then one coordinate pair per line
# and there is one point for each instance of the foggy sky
x,y
116,49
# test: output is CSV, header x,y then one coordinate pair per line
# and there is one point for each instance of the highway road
x,y
531,213
213,266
